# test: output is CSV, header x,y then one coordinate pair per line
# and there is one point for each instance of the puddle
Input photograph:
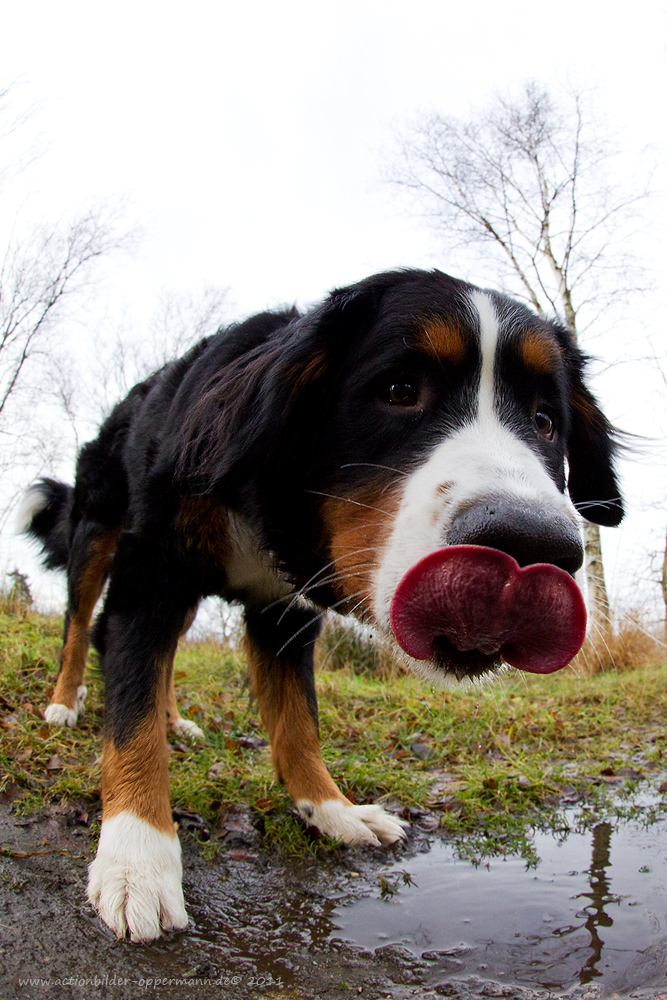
x,y
594,910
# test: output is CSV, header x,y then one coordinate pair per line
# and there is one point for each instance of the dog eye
x,y
545,424
401,392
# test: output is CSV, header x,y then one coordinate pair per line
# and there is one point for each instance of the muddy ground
x,y
261,926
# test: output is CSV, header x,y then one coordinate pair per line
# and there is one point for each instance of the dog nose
x,y
530,534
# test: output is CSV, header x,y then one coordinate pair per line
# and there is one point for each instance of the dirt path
x,y
259,920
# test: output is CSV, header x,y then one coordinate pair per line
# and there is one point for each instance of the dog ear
x,y
592,482
254,411
323,337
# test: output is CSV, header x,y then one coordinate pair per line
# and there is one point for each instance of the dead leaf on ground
x,y
241,854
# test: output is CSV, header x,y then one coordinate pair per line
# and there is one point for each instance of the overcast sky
x,y
248,141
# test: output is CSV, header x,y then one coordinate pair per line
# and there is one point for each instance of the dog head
x,y
451,420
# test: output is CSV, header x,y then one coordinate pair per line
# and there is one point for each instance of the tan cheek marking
x,y
135,776
357,528
537,352
442,340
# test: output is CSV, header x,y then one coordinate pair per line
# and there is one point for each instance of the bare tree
x,y
42,271
38,273
524,185
14,117
128,355
183,318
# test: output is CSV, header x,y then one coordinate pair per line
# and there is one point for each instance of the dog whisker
x,y
296,594
585,504
320,615
316,617
354,571
374,465
313,581
357,503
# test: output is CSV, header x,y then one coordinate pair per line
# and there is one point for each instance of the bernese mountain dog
x,y
414,451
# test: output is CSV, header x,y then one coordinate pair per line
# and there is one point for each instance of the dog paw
x,y
188,728
60,715
135,880
356,825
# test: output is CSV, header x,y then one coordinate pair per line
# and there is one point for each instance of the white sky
x,y
248,139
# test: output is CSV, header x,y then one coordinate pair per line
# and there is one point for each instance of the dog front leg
x,y
279,649
135,879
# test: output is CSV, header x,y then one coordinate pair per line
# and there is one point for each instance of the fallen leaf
x,y
235,819
241,854
253,742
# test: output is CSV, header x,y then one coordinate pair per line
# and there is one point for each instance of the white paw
x,y
135,880
353,824
188,728
61,715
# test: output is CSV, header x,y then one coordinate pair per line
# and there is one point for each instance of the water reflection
x,y
600,897
595,912
539,927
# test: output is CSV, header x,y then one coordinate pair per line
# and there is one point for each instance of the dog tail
x,y
45,515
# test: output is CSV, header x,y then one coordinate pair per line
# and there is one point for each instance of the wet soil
x,y
262,925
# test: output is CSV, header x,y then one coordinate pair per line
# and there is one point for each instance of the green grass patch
x,y
484,761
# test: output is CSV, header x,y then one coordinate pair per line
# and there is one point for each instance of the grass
x,y
486,763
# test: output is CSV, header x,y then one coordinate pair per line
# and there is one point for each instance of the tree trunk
x,y
596,648
663,581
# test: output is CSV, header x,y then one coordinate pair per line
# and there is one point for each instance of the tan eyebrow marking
x,y
538,352
442,339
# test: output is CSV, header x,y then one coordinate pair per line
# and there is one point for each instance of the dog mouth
x,y
468,608
462,664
